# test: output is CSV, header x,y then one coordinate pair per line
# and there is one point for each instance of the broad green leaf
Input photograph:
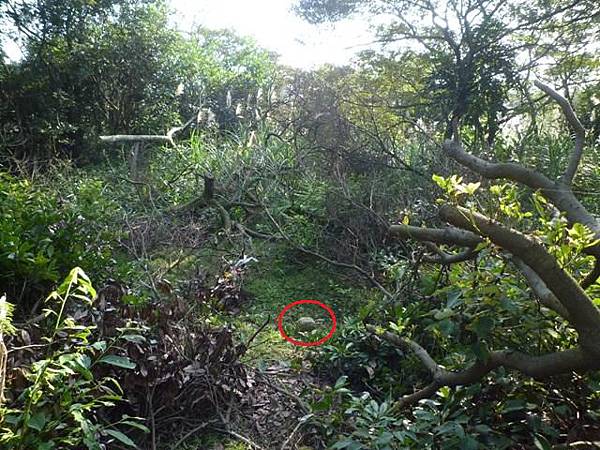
x,y
121,437
119,361
541,442
37,421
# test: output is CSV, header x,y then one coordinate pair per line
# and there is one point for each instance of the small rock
x,y
306,324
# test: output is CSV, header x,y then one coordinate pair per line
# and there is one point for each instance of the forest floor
x,y
281,373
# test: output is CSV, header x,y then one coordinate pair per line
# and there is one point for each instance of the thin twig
x,y
296,428
354,267
190,433
240,437
262,327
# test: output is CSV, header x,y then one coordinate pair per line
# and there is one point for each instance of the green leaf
x,y
341,382
483,429
440,181
513,405
541,442
120,437
347,444
452,428
100,346
119,361
468,443
37,421
483,326
134,424
135,338
481,351
12,419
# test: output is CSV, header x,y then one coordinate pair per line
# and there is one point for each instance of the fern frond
x,y
6,316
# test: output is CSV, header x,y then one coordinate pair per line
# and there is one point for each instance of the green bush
x,y
61,403
45,232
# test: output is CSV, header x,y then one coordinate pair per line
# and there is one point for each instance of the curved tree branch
x,y
584,315
592,276
571,117
446,258
545,295
559,195
452,236
535,366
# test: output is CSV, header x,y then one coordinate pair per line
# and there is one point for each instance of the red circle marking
x,y
302,343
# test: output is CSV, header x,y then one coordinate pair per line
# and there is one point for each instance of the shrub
x,y
60,404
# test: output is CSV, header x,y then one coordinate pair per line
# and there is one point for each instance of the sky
x,y
273,25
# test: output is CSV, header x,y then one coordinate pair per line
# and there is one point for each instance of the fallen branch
x,y
137,138
166,139
240,437
289,438
191,433
535,366
445,258
452,236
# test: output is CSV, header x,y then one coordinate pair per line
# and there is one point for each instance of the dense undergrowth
x,y
141,278
238,285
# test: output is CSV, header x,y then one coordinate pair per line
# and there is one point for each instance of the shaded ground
x,y
280,376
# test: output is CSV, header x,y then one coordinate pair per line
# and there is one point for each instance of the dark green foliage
x,y
471,81
60,403
45,232
109,69
308,167
317,11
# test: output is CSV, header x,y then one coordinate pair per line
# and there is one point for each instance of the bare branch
x,y
535,366
446,258
137,138
421,394
167,138
452,236
558,194
592,276
571,117
175,130
545,295
225,217
584,315
256,234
